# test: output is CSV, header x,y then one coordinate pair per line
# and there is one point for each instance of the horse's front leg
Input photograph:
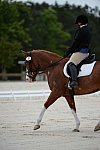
x,y
97,127
37,126
71,102
51,99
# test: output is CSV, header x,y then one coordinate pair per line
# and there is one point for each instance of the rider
x,y
79,49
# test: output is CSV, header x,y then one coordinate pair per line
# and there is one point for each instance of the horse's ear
x,y
24,52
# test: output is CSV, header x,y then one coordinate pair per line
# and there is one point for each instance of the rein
x,y
55,63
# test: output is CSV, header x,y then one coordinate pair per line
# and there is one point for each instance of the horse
x,y
52,65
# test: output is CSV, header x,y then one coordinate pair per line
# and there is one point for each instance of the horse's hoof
x,y
97,128
76,130
36,127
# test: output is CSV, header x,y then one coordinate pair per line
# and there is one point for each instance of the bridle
x,y
31,73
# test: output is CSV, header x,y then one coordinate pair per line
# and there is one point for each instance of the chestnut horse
x,y
52,65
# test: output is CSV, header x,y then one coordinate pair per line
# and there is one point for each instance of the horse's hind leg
x,y
51,99
97,127
71,102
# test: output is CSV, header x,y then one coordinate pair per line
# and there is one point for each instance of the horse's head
x,y
31,70
39,60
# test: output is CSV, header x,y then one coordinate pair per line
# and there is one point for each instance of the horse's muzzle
x,y
31,76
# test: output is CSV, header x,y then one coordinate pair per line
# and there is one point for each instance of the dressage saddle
x,y
90,59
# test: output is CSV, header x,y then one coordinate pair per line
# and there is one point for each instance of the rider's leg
x,y
74,60
77,57
73,73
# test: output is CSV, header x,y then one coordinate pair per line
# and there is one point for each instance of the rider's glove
x,y
68,53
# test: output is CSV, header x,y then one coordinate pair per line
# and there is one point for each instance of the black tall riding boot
x,y
73,73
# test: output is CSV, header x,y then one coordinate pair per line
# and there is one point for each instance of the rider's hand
x,y
68,53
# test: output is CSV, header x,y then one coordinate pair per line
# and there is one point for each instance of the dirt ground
x,y
18,116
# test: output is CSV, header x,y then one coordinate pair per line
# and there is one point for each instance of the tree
x,y
11,33
48,33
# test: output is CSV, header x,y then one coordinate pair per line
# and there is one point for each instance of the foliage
x,y
48,32
11,34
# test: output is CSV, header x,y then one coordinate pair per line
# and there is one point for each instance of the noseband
x,y
29,71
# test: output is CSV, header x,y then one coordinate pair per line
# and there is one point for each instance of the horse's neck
x,y
46,58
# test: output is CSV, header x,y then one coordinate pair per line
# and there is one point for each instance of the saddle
x,y
84,68
90,59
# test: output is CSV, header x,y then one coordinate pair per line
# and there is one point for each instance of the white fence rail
x,y
15,94
29,93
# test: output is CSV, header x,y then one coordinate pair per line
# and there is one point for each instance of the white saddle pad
x,y
85,70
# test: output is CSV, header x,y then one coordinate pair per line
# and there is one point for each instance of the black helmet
x,y
81,19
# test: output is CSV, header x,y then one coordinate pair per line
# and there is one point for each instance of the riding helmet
x,y
81,19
